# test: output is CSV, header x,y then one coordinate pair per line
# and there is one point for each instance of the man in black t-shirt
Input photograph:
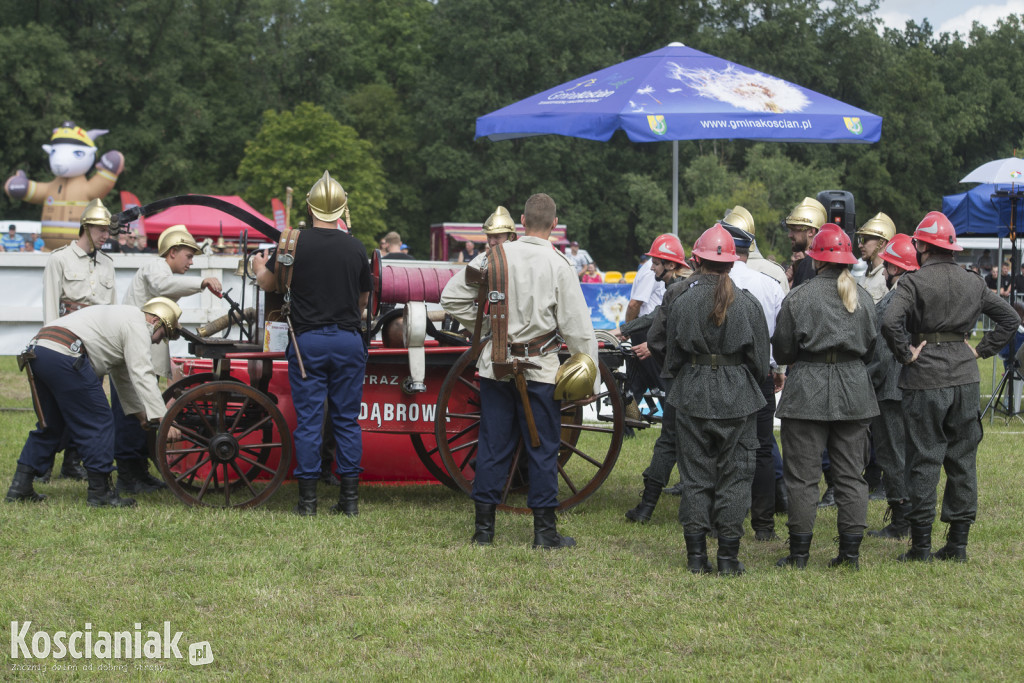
x,y
330,285
393,248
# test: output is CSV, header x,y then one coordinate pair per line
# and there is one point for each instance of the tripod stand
x,y
1009,379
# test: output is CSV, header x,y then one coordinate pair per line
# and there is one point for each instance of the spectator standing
x,y
393,247
992,279
985,261
38,243
468,252
578,257
590,274
12,241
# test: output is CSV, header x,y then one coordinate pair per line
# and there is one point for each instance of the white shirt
x,y
580,259
764,288
646,288
72,274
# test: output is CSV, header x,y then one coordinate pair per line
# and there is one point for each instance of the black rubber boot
x,y
956,543
545,531
920,545
21,486
133,477
849,551
728,562
348,498
781,497
799,551
697,553
828,499
306,506
103,494
45,477
72,468
483,534
898,526
648,501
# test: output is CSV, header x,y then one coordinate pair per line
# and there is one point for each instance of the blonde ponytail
x,y
847,290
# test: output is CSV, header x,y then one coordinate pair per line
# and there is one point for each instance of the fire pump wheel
x,y
587,455
229,430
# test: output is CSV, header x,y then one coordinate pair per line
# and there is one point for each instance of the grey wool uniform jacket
x,y
728,391
943,297
813,320
883,368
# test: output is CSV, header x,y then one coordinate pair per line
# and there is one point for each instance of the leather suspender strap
x,y
497,299
285,260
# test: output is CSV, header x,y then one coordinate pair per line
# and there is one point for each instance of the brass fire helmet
x,y
808,214
880,226
95,214
739,217
169,313
499,222
575,378
327,199
174,236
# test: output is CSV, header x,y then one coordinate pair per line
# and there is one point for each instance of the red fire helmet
x,y
832,245
716,244
667,247
900,252
937,230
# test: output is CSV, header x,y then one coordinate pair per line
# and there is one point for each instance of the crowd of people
x,y
875,371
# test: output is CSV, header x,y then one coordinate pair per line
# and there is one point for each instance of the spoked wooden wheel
x,y
586,456
230,433
430,456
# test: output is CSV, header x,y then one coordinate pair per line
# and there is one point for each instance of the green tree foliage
x,y
183,86
293,149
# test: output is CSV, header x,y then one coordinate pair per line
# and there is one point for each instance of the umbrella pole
x,y
675,187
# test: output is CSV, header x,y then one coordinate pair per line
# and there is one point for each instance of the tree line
x,y
250,96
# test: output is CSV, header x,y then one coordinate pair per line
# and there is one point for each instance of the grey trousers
x,y
943,432
716,459
890,453
847,443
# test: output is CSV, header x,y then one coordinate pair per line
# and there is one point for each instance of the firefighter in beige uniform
x,y
164,277
544,300
68,361
872,238
76,276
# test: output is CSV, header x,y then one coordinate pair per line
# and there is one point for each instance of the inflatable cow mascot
x,y
72,153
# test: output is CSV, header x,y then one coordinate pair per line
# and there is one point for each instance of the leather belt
x,y
69,306
62,336
537,346
938,337
716,359
831,357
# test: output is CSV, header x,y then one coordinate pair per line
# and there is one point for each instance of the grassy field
x,y
398,594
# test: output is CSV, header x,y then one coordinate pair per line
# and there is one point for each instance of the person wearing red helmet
x,y
926,326
826,332
668,261
718,355
898,257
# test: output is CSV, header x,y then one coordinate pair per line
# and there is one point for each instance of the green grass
x,y
398,594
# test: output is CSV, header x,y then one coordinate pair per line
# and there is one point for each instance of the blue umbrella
x,y
678,93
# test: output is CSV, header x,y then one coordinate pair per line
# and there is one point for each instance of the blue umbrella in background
x,y
678,93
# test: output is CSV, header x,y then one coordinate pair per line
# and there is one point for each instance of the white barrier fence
x,y
21,281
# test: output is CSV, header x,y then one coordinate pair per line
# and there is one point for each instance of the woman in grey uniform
x,y
826,332
718,355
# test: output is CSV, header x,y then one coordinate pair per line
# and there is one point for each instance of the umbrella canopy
x,y
202,221
678,93
998,172
979,211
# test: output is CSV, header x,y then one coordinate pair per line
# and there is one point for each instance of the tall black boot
x,y
828,499
697,553
21,486
799,551
920,544
545,531
956,543
849,551
102,492
348,498
45,477
648,501
133,477
728,562
781,497
72,468
306,506
483,534
898,526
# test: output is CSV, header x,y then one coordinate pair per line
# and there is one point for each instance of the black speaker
x,y
839,208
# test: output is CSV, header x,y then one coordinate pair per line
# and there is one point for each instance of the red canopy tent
x,y
447,238
203,221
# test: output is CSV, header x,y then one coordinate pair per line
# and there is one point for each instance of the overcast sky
x,y
948,15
